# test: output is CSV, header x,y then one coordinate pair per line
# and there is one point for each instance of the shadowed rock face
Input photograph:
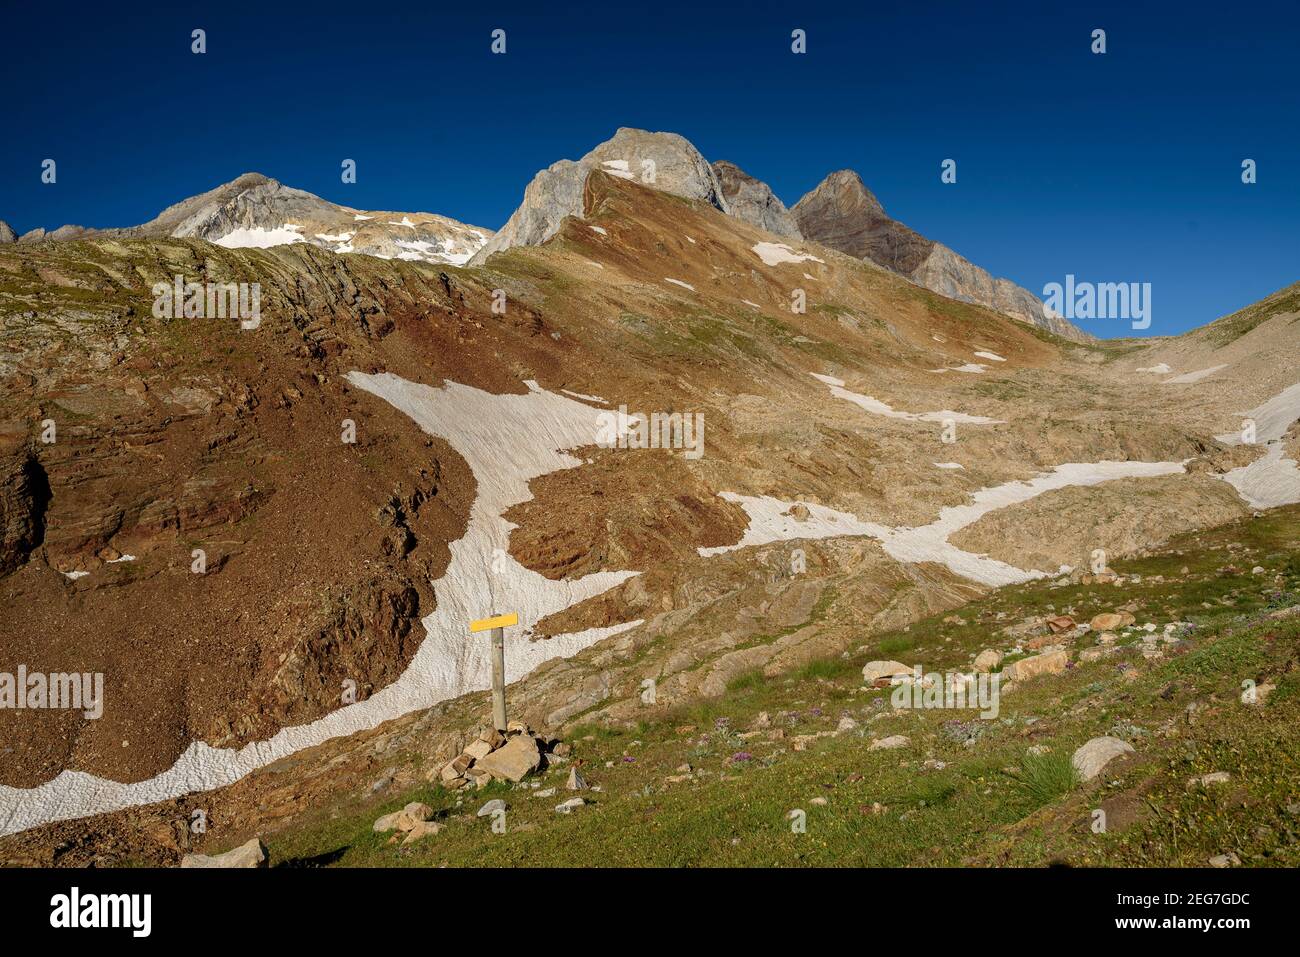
x,y
753,201
6,233
665,161
843,214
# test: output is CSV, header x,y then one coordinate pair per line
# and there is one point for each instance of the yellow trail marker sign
x,y
497,621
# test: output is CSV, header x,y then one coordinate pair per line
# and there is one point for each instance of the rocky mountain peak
x,y
843,214
753,201
664,161
7,234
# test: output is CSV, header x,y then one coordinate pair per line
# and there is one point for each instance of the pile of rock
x,y
494,756
415,821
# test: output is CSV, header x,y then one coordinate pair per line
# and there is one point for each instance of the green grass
x,y
1010,796
1043,778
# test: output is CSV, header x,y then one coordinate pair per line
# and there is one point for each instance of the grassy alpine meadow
x,y
797,769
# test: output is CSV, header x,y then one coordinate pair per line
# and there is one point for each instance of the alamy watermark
x,y
658,430
209,300
57,691
1102,300
952,690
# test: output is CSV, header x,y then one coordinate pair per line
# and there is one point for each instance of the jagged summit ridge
x,y
843,214
255,210
753,201
665,161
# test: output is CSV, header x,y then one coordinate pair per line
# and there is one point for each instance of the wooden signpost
x,y
497,624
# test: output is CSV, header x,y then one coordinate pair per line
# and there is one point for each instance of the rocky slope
x,y
826,507
843,214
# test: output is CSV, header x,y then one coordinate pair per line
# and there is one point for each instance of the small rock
x,y
413,814
893,741
1205,780
421,830
252,854
1225,860
491,807
987,660
576,781
545,793
846,724
569,805
1092,757
874,670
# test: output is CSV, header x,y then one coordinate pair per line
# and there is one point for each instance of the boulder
x,y
1091,758
1050,663
413,814
422,829
252,854
874,670
891,742
491,807
513,761
1109,621
478,749
1060,623
987,660
455,768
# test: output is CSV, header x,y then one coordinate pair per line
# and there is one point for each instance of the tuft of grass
x,y
749,681
897,645
827,669
1044,778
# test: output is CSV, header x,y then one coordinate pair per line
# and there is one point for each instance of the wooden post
x,y
499,679
497,625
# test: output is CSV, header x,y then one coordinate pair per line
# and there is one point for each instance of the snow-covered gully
x,y
507,440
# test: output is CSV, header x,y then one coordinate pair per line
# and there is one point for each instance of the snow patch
x,y
993,356
929,543
258,237
774,254
678,282
876,407
1271,480
973,367
617,168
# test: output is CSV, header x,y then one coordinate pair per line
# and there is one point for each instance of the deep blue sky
x,y
1122,167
